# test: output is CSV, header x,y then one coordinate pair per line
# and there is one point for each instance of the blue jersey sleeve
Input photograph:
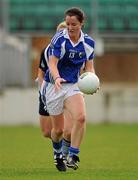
x,y
89,47
91,56
55,45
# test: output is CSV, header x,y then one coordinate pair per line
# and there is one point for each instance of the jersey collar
x,y
66,35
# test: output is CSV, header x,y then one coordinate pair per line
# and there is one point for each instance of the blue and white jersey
x,y
71,56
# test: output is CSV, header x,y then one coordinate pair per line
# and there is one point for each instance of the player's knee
x,y
67,134
47,134
81,119
58,132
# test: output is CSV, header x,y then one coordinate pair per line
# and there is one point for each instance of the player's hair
x,y
75,11
61,25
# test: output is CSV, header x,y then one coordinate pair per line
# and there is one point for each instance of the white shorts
x,y
55,98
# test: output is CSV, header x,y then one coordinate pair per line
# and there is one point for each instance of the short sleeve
x,y
43,65
89,46
55,45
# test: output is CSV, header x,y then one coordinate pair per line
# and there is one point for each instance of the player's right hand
x,y
58,83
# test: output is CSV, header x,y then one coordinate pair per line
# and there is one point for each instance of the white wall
x,y
110,104
19,106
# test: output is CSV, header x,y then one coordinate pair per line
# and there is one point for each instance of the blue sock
x,y
57,147
65,147
73,151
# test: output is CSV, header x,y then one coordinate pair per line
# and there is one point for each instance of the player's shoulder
x,y
89,40
44,51
46,48
58,36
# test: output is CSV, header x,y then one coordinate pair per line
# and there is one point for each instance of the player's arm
x,y
53,60
55,53
42,67
89,63
41,74
89,66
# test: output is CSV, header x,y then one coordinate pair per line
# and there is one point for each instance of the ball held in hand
x,y
88,83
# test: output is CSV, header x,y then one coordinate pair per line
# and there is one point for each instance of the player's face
x,y
74,26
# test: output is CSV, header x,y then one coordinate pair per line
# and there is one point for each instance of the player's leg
x,y
67,133
46,125
57,127
55,108
45,121
75,104
57,136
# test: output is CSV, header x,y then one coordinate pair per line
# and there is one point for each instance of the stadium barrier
x,y
117,104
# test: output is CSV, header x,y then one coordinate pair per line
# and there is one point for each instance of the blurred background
x,y
26,27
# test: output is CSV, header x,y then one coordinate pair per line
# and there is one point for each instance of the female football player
x,y
69,50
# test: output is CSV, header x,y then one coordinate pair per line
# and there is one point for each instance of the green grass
x,y
108,152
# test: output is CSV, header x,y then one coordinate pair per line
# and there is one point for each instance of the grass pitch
x,y
108,152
